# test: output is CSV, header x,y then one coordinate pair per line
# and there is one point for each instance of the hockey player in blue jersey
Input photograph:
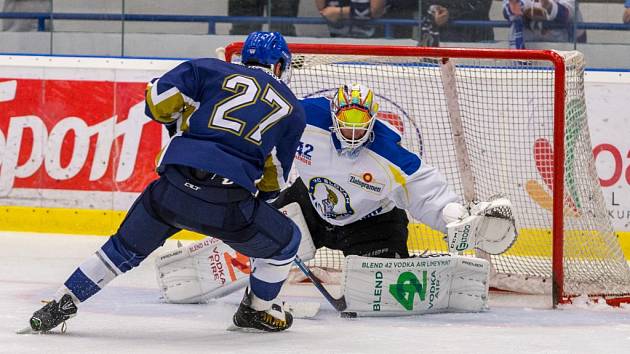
x,y
235,132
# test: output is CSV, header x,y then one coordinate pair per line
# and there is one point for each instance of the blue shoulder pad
x,y
387,144
317,112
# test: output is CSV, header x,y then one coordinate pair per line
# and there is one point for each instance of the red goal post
x,y
511,118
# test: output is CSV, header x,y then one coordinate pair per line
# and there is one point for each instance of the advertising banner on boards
x,y
74,134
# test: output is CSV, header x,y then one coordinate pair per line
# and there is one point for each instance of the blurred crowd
x,y
427,21
433,20
351,18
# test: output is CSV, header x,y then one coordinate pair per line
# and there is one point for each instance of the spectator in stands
x,y
472,10
538,20
335,11
21,25
285,8
446,10
626,13
338,12
408,10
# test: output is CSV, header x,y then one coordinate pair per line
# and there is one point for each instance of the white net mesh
x,y
506,111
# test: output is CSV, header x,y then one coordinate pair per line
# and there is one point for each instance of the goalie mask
x,y
354,113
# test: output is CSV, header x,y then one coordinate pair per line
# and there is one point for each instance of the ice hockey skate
x,y
51,315
256,315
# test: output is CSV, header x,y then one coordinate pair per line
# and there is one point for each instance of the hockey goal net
x,y
493,121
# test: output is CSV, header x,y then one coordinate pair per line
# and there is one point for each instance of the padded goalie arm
x,y
424,194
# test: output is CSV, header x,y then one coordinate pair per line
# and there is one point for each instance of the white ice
x,y
128,317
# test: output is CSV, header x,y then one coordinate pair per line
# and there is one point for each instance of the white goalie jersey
x,y
383,175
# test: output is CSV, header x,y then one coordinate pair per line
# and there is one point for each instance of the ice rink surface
x,y
129,317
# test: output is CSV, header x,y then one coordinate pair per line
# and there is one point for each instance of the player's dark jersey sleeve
x,y
288,146
278,163
174,95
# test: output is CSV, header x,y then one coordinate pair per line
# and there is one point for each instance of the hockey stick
x,y
338,304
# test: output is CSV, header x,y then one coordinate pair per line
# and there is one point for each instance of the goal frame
x,y
559,66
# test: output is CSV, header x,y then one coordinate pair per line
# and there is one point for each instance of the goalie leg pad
x,y
211,269
396,287
201,271
470,285
307,249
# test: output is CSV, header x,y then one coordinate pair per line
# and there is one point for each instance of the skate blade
x,y
27,330
235,328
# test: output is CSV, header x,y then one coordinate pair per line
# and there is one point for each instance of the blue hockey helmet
x,y
267,49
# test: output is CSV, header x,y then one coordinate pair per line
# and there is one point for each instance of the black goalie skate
x,y
53,314
275,319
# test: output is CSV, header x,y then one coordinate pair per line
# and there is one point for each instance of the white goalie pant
x,y
210,269
411,286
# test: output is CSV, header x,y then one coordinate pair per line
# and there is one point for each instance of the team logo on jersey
x,y
303,153
330,198
366,182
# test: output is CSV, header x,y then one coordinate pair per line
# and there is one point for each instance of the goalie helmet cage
x,y
492,121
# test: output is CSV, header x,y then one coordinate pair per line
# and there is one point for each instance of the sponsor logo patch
x,y
366,182
407,286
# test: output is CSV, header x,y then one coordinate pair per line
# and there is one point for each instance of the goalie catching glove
x,y
488,226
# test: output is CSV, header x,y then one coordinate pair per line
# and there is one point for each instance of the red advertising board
x,y
76,135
